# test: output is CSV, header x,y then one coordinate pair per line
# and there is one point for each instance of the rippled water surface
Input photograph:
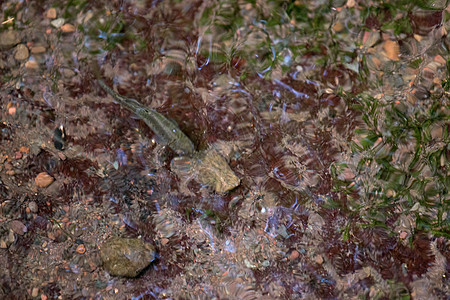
x,y
334,115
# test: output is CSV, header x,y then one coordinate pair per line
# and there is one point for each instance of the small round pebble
x,y
43,180
31,64
67,28
22,52
51,13
81,249
58,22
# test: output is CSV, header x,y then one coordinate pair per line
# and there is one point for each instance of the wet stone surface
x,y
126,257
208,167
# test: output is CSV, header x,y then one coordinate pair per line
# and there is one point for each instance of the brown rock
x,y
68,73
33,207
294,255
215,172
37,49
81,249
22,52
210,168
51,13
35,292
67,28
12,110
8,39
392,49
18,227
338,26
18,155
319,259
31,64
43,180
126,257
24,149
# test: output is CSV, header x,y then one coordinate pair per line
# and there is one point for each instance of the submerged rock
x,y
208,168
22,52
126,257
8,39
213,170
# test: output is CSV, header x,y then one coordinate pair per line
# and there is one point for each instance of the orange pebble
x,y
81,249
12,111
294,254
24,149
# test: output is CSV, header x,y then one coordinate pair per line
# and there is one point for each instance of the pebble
x,y
294,254
38,49
211,169
11,237
81,249
22,52
338,26
392,49
12,110
31,64
319,259
24,149
33,207
8,39
439,59
51,235
68,73
18,155
215,172
35,292
67,28
43,180
57,23
18,227
437,132
51,13
126,257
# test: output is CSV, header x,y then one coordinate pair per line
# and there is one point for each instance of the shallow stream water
x,y
334,115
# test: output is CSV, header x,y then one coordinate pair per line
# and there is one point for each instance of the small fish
x,y
168,133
